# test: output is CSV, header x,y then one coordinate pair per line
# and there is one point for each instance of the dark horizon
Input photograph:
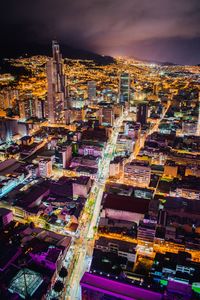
x,y
34,48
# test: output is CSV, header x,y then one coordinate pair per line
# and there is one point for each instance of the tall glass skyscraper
x,y
142,113
57,91
124,88
91,90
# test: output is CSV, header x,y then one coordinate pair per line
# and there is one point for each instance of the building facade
x,y
57,90
124,88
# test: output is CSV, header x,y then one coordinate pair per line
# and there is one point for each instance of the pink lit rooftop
x,y
117,289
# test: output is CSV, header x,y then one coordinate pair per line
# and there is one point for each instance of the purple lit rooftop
x,y
117,289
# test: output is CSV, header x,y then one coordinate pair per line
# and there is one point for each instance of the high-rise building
x,y
57,91
45,168
91,90
155,89
40,109
124,88
63,155
8,128
7,97
78,114
142,113
198,120
106,115
28,107
162,217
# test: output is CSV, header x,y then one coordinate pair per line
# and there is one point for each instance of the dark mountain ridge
x,y
30,49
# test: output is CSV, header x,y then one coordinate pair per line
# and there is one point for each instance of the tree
x,y
95,228
31,225
63,273
58,286
9,112
47,226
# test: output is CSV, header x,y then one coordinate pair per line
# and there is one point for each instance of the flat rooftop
x,y
126,203
117,289
25,283
4,211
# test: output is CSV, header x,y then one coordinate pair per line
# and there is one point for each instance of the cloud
x,y
103,25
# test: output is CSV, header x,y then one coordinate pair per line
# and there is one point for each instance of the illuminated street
x,y
84,245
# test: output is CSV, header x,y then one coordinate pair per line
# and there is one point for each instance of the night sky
x,y
157,30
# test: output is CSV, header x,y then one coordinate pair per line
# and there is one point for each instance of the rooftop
x,y
141,163
25,283
82,180
117,289
32,195
122,245
86,170
126,203
4,211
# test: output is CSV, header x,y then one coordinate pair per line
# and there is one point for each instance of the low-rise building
x,y
138,172
116,166
125,144
81,186
125,208
122,248
146,230
171,169
188,187
94,286
94,150
6,216
175,266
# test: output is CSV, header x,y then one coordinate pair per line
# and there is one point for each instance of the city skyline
x,y
99,179
100,156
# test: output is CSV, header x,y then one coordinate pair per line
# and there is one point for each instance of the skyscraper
x,y
142,113
28,107
91,90
162,217
198,120
155,89
57,91
124,88
106,115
